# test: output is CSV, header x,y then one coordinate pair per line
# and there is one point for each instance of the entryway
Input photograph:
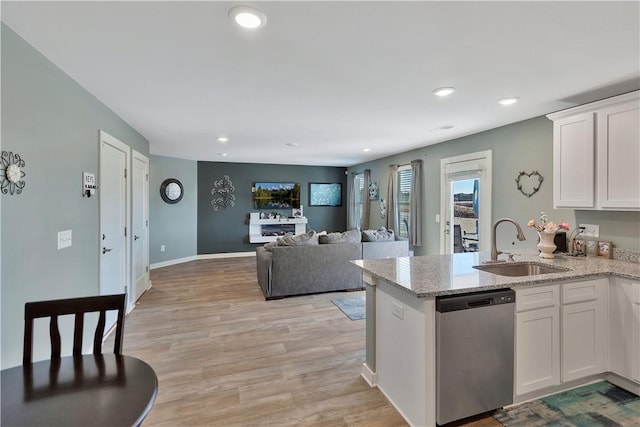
x,y
465,202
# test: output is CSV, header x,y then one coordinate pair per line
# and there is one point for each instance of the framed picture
x,y
325,194
276,195
604,249
373,191
297,212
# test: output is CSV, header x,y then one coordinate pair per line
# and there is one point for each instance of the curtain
x,y
415,204
392,208
352,219
366,203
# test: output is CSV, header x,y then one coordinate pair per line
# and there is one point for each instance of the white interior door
x,y
114,158
140,224
465,203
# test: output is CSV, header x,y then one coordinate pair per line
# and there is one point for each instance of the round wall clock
x,y
171,190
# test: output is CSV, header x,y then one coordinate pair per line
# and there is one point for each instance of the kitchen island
x,y
401,330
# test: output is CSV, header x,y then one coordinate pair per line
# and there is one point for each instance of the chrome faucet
x,y
494,249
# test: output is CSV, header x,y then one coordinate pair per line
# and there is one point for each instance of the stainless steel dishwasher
x,y
474,353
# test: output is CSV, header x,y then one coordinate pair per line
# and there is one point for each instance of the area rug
x,y
599,404
353,307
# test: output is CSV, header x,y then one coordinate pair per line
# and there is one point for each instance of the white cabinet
x,y
268,230
573,162
537,338
584,329
596,155
618,152
624,328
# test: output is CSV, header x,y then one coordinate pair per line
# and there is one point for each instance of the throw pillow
x,y
306,239
351,236
381,235
270,245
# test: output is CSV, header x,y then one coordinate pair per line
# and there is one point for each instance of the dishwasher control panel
x,y
474,300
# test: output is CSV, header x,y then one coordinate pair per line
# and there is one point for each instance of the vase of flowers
x,y
547,232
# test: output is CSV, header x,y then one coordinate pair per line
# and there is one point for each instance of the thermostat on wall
x,y
88,184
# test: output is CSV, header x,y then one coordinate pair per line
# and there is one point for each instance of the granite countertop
x,y
434,275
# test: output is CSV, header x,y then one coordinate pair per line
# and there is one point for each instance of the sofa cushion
x,y
381,235
307,239
351,236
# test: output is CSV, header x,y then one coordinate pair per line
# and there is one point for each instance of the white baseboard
x,y
227,255
197,257
369,376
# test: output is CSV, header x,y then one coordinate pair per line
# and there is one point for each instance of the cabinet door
x,y
619,156
584,335
537,349
573,162
624,329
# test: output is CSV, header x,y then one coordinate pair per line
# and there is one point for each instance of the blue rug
x,y
353,307
599,404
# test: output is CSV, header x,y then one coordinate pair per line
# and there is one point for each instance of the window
x,y
360,194
404,200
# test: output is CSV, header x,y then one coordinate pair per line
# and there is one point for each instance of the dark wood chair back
x,y
77,306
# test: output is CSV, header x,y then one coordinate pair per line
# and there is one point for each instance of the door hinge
x,y
125,232
125,173
147,177
146,223
147,268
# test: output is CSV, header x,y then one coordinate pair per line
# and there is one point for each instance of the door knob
x,y
105,250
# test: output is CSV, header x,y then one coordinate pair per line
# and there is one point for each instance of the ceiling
x,y
323,80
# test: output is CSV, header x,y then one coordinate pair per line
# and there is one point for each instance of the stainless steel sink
x,y
520,268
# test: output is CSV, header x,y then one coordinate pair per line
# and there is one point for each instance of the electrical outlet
x,y
161,248
397,310
64,239
591,230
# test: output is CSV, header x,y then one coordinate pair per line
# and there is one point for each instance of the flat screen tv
x,y
276,195
325,194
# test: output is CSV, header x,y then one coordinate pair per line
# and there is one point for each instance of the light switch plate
x,y
397,310
591,230
64,239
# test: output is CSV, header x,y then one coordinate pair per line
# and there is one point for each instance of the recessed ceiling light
x,y
222,154
366,150
248,17
508,101
291,144
444,91
223,139
443,127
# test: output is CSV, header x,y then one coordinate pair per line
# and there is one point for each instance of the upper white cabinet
x,y
596,155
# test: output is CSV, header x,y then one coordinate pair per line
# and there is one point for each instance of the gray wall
x,y
227,230
523,146
53,124
172,225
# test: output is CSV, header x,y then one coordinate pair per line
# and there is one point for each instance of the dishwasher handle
x,y
479,303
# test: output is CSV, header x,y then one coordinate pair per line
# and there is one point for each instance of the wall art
x,y
529,183
222,192
373,191
11,173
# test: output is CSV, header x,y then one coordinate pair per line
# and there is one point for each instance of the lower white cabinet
x,y
537,338
624,328
584,329
561,333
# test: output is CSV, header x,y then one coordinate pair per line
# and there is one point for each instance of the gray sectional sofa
x,y
314,268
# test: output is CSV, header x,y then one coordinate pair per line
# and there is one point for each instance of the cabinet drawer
x,y
583,291
539,297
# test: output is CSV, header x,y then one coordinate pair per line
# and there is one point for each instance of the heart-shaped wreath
x,y
529,185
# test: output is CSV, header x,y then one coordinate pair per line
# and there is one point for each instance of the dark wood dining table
x,y
87,390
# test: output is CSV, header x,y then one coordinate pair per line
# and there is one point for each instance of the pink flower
x,y
564,225
532,223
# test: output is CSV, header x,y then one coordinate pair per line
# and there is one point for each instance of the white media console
x,y
268,230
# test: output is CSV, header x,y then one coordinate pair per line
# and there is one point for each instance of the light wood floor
x,y
226,357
